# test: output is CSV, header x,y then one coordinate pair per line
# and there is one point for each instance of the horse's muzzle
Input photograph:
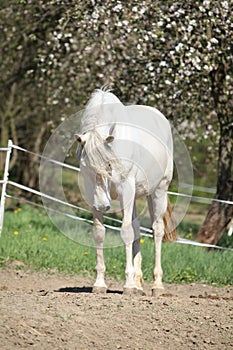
x,y
103,208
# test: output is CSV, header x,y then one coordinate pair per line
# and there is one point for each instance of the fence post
x,y
4,184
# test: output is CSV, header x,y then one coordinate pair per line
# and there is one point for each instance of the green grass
x,y
30,237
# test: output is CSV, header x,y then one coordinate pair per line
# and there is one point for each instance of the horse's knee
x,y
127,233
158,228
98,232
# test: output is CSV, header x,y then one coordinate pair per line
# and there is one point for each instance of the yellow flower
x,y
17,210
85,253
16,233
114,267
44,239
142,240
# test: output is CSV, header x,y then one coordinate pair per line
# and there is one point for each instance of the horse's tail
x,y
170,232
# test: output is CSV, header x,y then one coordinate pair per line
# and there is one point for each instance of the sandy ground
x,y
54,311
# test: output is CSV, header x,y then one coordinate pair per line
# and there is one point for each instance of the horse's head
x,y
96,159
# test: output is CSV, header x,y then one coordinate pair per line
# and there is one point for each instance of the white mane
x,y
100,156
93,111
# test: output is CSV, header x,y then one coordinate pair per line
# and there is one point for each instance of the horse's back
x,y
152,121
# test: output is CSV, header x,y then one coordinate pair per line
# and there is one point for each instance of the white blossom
x,y
214,41
225,4
163,64
117,8
179,12
179,47
190,28
206,67
142,11
209,47
125,22
95,14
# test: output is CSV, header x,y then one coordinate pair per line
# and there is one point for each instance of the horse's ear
x,y
109,139
79,138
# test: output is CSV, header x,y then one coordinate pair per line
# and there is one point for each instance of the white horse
x,y
126,152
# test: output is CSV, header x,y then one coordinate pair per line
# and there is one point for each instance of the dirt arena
x,y
54,311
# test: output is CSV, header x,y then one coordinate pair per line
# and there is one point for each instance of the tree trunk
x,y
34,161
220,214
215,224
8,124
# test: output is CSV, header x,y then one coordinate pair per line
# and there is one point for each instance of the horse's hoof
x,y
132,291
99,290
156,292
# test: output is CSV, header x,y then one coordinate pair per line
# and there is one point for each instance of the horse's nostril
x,y
102,208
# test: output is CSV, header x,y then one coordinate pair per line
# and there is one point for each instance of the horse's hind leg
x,y
157,206
99,235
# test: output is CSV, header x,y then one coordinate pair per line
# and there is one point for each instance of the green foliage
x,y
187,275
226,241
30,237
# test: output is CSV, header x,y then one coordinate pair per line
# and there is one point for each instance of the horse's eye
x,y
98,179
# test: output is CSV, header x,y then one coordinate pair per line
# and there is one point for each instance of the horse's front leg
x,y
127,235
136,250
99,235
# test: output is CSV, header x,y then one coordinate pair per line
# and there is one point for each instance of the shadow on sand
x,y
84,290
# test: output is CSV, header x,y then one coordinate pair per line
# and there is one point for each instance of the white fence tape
x,y
197,199
150,235
145,231
4,148
200,199
65,165
31,190
200,188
